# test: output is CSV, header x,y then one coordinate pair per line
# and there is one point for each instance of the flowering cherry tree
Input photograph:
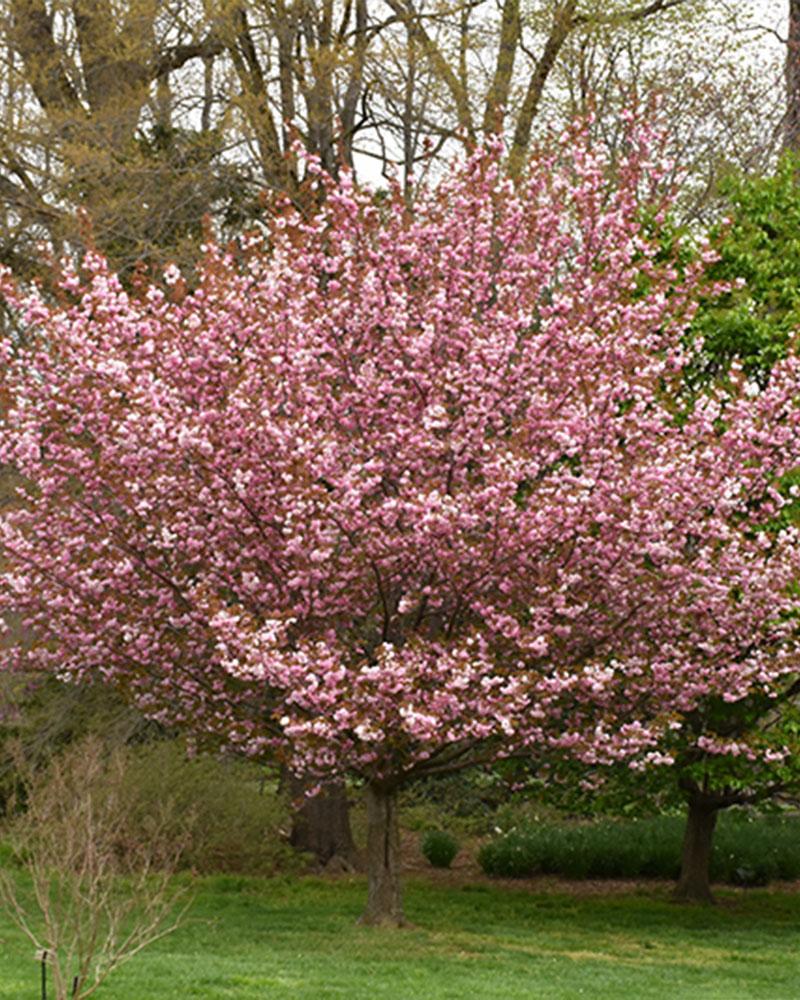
x,y
390,492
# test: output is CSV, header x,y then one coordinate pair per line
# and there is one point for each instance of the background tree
x,y
149,116
90,125
464,71
753,324
744,751
722,107
755,318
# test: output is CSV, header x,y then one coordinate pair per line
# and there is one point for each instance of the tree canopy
x,y
391,493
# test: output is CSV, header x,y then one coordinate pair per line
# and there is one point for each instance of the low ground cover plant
x,y
748,850
296,939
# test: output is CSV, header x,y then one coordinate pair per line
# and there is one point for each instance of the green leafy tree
x,y
753,322
759,258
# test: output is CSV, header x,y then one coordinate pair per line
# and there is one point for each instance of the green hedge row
x,y
746,851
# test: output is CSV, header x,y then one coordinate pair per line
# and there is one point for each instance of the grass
x,y
280,939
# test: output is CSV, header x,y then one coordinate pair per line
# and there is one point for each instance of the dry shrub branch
x,y
100,885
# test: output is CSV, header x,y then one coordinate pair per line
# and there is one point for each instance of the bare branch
x,y
177,56
634,13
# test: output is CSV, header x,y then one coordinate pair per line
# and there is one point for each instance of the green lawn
x,y
265,939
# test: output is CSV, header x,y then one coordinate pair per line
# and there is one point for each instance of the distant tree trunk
x,y
791,129
694,884
384,900
321,824
563,24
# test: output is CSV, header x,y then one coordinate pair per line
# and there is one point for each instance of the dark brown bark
x,y
318,92
647,10
179,55
384,899
321,825
694,883
285,28
791,130
355,83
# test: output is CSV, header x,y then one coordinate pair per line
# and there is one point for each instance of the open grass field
x,y
258,939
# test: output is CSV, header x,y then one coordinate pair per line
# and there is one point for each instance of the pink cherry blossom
x,y
393,490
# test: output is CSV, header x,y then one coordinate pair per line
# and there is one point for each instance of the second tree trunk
x,y
321,824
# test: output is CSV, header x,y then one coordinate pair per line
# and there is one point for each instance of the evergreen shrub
x,y
440,848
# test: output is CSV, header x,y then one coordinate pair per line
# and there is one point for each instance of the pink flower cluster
x,y
388,486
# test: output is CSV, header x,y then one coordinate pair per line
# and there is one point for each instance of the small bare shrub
x,y
100,887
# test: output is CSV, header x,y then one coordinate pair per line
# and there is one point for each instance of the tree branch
x,y
179,55
255,104
416,30
32,37
564,23
640,13
497,98
633,14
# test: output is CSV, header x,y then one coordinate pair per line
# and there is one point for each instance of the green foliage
x,y
236,818
760,256
439,847
558,787
41,717
464,802
8,856
747,850
596,850
755,851
754,324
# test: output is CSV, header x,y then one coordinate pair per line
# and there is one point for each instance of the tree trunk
x,y
321,824
384,902
791,130
562,27
694,884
